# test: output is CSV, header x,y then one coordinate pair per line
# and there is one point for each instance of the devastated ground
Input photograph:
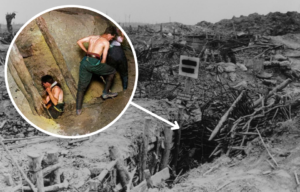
x,y
239,121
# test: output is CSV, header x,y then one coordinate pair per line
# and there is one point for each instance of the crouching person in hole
x,y
52,97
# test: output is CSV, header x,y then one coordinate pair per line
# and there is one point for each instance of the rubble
x,y
238,129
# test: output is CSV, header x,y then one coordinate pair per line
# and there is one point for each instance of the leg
x,y
108,79
84,80
104,69
54,114
123,69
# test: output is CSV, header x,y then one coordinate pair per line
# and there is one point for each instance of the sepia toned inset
x,y
71,71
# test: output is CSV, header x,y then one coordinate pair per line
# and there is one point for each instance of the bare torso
x,y
96,44
57,96
60,94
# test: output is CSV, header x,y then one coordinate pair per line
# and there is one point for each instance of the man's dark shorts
x,y
56,110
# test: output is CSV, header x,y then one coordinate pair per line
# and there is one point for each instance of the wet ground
x,y
94,116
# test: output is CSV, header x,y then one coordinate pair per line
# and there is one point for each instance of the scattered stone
x,y
242,66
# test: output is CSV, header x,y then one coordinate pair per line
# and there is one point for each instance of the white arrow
x,y
174,125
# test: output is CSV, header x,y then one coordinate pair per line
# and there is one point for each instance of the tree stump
x,y
35,168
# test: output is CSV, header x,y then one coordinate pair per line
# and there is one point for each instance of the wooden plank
x,y
156,179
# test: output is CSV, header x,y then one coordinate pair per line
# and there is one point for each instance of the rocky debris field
x,y
239,122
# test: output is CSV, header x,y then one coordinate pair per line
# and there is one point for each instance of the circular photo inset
x,y
71,71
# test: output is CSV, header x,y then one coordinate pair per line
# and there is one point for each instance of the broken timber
x,y
225,116
168,145
19,168
277,88
156,179
106,171
122,172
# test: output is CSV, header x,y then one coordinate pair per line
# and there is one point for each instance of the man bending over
x,y
95,63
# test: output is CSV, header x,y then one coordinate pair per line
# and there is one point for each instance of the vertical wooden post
x,y
121,170
177,140
94,184
188,84
51,159
146,144
35,167
157,151
174,34
168,143
234,30
113,175
148,178
141,173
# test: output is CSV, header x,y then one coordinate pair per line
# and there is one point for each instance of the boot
x,y
124,82
107,95
79,101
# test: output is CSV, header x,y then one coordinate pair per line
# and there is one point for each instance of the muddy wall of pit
x,y
66,26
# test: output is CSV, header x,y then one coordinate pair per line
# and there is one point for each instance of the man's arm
x,y
105,51
45,98
83,40
53,94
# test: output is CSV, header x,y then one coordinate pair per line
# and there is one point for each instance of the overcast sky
x,y
155,11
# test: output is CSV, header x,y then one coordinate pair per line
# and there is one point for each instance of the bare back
x,y
97,44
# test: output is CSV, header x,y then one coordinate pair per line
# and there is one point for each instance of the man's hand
x,y
48,89
83,40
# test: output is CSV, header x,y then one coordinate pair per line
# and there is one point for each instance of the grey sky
x,y
152,11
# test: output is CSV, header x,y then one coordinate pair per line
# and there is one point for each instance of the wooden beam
x,y
30,92
121,170
57,55
277,88
106,170
225,116
156,179
19,168
168,144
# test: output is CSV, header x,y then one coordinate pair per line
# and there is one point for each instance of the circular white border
x,y
135,60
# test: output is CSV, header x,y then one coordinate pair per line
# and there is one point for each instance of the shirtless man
x,y
93,64
52,96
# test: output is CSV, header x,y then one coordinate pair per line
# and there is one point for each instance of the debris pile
x,y
272,24
246,85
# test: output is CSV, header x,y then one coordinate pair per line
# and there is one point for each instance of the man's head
x,y
47,81
110,32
